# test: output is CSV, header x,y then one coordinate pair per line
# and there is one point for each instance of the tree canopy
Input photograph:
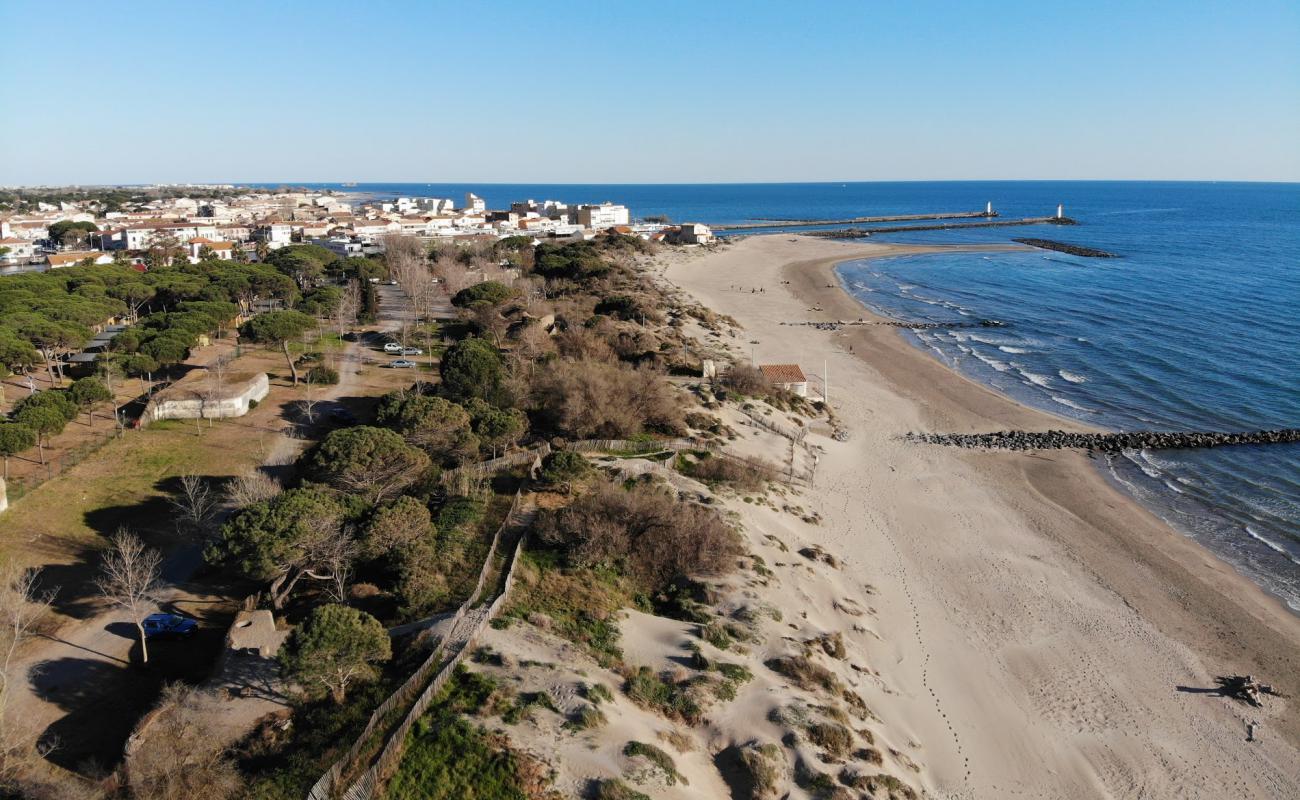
x,y
487,293
373,462
335,647
472,368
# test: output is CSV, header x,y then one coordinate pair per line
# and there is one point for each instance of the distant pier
x,y
854,233
809,223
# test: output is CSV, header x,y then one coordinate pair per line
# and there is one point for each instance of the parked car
x,y
402,363
392,347
167,626
342,416
412,351
351,336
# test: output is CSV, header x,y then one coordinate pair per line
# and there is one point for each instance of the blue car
x,y
165,626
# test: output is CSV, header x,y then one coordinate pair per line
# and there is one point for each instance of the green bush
x,y
322,375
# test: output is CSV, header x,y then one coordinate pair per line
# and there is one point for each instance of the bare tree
x,y
180,752
130,574
349,306
310,399
195,503
22,608
251,487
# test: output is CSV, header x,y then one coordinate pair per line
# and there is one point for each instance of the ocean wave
x,y
1175,488
1140,460
1072,377
1036,379
1272,545
1013,350
1000,366
1068,403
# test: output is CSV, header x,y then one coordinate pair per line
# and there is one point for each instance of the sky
x,y
622,92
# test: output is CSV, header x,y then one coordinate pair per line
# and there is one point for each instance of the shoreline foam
x,y
1035,620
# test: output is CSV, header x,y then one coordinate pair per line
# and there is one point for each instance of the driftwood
x,y
1244,688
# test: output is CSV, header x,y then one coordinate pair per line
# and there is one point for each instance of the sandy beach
x,y
1036,632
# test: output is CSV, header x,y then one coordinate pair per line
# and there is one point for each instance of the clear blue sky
x,y
114,92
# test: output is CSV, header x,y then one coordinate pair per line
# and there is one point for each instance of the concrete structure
x,y
254,633
474,204
694,233
786,376
605,215
198,396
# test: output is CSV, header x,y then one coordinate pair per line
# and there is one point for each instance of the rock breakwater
x,y
1106,442
1062,247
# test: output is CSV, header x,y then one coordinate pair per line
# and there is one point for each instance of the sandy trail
x,y
1035,624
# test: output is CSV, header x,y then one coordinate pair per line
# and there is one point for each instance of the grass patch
x,y
658,758
448,758
579,604
647,689
614,789
805,673
587,718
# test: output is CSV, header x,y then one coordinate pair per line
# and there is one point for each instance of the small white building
x,y
72,258
694,233
786,376
16,249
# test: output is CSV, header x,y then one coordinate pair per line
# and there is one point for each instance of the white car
x,y
392,347
412,351
402,363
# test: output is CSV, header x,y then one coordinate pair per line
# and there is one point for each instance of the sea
x,y
1194,326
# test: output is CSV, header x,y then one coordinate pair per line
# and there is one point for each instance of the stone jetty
x,y
1063,247
1106,442
859,233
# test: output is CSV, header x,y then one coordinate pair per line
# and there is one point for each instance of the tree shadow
x,y
103,700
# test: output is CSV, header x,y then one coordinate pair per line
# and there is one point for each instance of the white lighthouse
x,y
1060,211
988,209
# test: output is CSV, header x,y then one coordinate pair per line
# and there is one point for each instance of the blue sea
x,y
1195,327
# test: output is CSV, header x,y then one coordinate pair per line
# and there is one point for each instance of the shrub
x,y
747,381
587,718
805,673
739,475
643,532
647,689
832,737
563,468
592,399
764,769
322,375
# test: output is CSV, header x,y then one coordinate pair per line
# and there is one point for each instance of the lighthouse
x,y
1060,211
988,209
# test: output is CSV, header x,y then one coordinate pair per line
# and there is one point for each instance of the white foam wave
x,y
1072,377
1174,487
1013,350
1036,379
1068,403
1000,366
1272,545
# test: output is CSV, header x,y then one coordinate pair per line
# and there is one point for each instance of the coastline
x,y
1065,614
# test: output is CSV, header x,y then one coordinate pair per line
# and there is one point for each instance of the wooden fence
x,y
466,624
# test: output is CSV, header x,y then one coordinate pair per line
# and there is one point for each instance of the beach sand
x,y
1032,624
